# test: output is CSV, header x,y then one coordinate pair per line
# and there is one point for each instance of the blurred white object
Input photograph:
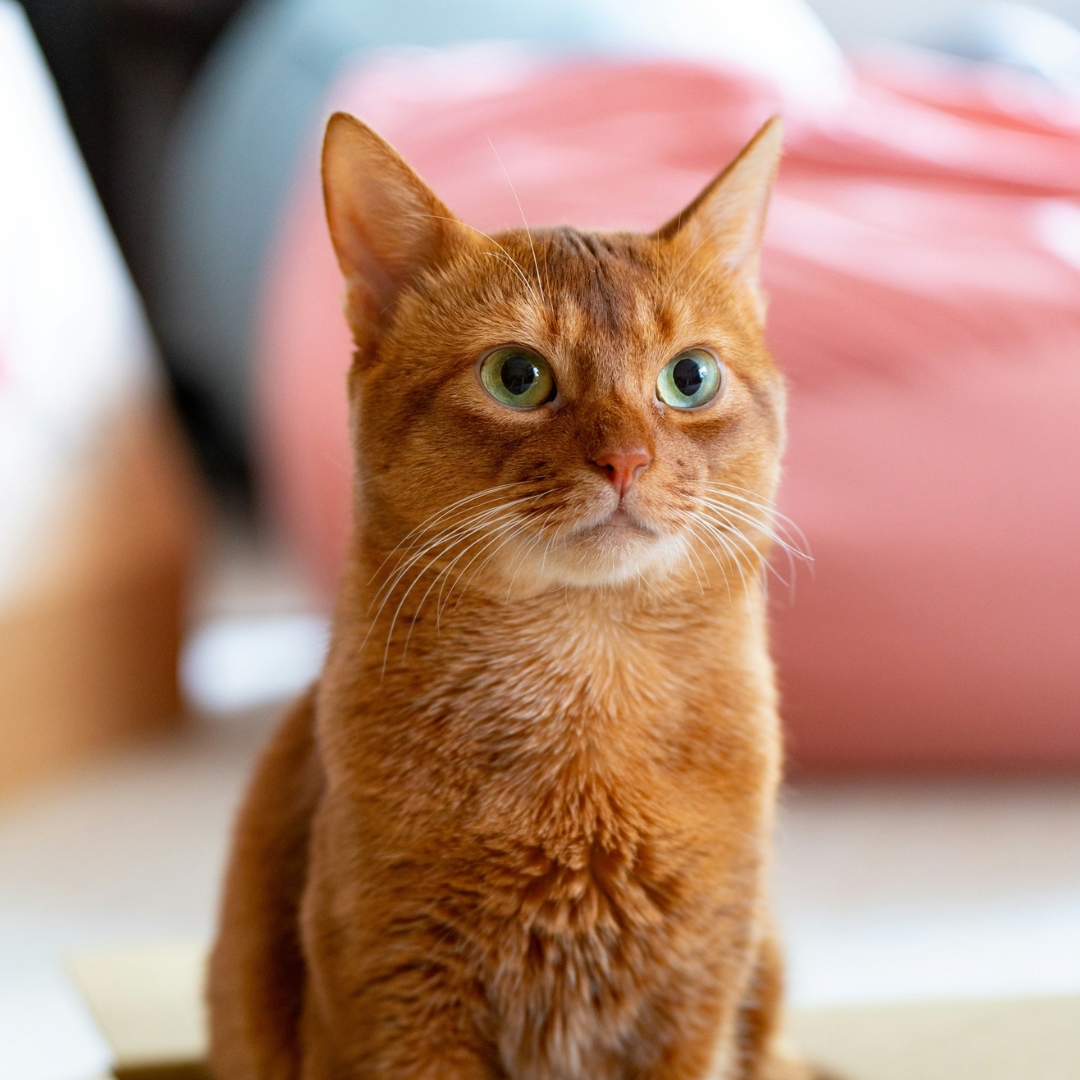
x,y
893,889
74,347
1023,37
46,1032
241,662
782,41
1057,224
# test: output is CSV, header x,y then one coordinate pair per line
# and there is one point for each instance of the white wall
x,y
854,21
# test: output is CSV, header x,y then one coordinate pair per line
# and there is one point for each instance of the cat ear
x,y
726,220
386,224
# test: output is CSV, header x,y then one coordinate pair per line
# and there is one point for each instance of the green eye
x,y
517,377
691,380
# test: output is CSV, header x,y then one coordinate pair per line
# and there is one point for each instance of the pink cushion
x,y
930,332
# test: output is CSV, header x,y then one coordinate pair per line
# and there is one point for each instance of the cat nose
x,y
623,467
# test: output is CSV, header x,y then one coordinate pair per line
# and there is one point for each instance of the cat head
x,y
557,408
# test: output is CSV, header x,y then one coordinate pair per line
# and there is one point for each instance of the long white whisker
x,y
727,512
776,534
528,231
502,539
502,256
499,526
522,556
440,603
444,576
440,542
505,539
694,555
438,546
720,519
475,517
753,522
733,553
725,542
780,520
443,538
547,547
688,524
429,521
491,239
711,548
405,596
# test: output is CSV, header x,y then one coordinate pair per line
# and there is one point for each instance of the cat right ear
x,y
722,227
386,224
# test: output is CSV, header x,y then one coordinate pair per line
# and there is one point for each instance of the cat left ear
x,y
725,222
386,224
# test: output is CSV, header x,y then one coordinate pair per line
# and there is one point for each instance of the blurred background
x,y
174,462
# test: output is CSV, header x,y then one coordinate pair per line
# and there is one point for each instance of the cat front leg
x,y
403,1028
393,991
762,1054
256,975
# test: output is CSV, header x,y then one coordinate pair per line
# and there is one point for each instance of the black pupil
x,y
688,376
518,374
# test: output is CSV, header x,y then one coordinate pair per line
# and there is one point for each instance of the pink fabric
x,y
930,333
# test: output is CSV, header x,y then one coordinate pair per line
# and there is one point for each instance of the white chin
x,y
611,554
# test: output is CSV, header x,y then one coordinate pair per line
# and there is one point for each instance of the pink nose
x,y
623,468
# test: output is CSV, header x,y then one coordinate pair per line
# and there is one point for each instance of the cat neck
x,y
605,683
437,632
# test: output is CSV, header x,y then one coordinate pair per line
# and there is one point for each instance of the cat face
x,y
558,408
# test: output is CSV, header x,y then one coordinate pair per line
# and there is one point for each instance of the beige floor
x,y
886,889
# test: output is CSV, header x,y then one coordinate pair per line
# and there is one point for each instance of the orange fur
x,y
522,828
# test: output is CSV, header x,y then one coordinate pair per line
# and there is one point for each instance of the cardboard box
x,y
148,1003
89,644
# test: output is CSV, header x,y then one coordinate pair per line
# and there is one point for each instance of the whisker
x,y
476,522
770,509
501,255
733,552
725,542
477,516
694,569
726,512
443,601
439,514
750,520
501,526
522,556
720,560
505,539
786,533
528,232
514,528
443,538
547,547
442,547
733,531
405,596
491,239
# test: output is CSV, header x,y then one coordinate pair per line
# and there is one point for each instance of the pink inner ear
x,y
726,221
384,223
926,328
368,283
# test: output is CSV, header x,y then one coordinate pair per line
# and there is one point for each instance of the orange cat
x,y
521,829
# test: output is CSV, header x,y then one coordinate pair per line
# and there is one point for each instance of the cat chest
x,y
588,950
